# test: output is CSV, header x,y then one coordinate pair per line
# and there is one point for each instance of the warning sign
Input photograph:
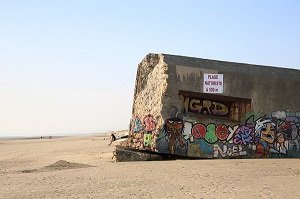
x,y
213,83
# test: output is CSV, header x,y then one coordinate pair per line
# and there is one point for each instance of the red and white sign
x,y
213,83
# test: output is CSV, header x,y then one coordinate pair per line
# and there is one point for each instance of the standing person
x,y
112,138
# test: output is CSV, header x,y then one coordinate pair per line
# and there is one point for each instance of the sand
x,y
82,167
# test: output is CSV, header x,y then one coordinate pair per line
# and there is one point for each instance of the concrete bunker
x,y
215,109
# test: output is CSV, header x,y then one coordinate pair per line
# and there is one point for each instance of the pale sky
x,y
69,66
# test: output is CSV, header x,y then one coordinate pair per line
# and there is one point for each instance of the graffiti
x,y
199,131
281,144
265,129
228,151
173,128
206,107
187,128
149,123
210,133
279,114
222,132
173,137
273,135
265,137
137,125
289,129
147,140
244,135
142,133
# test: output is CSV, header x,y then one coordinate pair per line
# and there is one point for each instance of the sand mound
x,y
59,165
62,164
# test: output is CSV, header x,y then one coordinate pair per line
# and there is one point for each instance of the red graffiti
x,y
222,132
199,131
149,123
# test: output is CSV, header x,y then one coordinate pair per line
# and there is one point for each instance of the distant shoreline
x,y
104,134
31,138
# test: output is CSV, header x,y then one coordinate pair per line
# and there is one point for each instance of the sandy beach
x,y
82,167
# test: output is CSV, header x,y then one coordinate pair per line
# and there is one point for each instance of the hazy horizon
x,y
69,66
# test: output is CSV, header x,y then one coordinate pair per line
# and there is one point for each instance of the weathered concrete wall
x,y
151,84
261,105
270,88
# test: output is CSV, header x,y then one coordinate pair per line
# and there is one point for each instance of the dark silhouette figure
x,y
112,138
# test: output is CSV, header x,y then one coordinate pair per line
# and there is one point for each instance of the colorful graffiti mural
x,y
143,133
266,137
273,135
